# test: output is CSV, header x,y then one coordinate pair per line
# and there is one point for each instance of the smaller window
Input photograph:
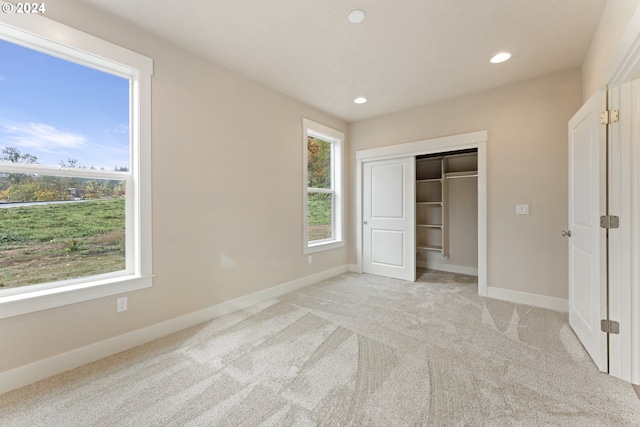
x,y
323,195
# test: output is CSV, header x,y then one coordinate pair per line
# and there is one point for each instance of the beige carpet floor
x,y
355,350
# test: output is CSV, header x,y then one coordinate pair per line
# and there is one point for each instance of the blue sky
x,y
56,110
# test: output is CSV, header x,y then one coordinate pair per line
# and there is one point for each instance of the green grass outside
x,y
319,216
46,243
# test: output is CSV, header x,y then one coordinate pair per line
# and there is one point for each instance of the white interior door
x,y
388,227
587,242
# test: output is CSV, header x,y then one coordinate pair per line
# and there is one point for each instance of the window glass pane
x,y
318,163
61,113
320,209
55,228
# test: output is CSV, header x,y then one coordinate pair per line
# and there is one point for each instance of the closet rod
x,y
461,176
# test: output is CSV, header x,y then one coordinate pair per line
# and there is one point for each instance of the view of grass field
x,y
70,116
79,230
319,204
45,243
319,216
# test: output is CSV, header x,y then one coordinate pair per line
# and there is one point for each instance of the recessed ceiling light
x,y
501,57
360,100
356,16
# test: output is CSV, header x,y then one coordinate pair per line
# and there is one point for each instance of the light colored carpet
x,y
353,350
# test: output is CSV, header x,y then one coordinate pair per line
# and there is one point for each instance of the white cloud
x,y
119,130
40,136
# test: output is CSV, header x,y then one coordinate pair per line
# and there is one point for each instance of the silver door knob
x,y
566,233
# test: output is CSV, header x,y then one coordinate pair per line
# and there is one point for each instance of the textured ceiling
x,y
406,52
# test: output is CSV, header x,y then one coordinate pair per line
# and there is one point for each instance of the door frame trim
x,y
624,267
464,141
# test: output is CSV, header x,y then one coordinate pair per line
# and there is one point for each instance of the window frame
x,y
50,37
336,138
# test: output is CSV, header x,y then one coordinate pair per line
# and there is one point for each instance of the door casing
x,y
624,201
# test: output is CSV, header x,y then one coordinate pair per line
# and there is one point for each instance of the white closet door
x,y
587,241
389,218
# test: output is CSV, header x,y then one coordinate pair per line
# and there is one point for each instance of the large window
x,y
323,199
74,167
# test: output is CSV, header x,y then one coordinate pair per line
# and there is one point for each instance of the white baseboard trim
x,y
28,374
552,303
450,268
354,268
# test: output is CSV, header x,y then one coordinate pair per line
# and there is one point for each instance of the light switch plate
x,y
522,209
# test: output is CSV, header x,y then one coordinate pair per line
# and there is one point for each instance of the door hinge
x,y
610,326
609,116
609,221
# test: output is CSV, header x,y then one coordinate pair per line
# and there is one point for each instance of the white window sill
x,y
323,246
29,302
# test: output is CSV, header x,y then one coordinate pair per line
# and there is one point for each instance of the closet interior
x,y
447,211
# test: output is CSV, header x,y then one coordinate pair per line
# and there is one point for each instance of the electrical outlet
x,y
121,304
309,259
522,209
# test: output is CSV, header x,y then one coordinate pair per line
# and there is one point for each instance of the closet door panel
x,y
388,229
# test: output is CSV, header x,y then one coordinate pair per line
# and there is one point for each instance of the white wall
x,y
526,162
601,56
227,186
